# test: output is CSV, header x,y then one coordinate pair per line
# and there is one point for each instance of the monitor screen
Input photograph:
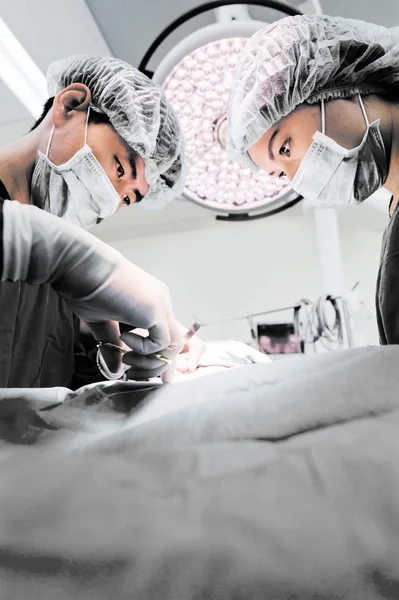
x,y
279,338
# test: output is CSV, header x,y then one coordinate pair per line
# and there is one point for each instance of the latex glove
x,y
189,358
118,363
148,367
98,283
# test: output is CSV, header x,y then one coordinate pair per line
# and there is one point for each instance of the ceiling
x,y
129,28
44,27
53,29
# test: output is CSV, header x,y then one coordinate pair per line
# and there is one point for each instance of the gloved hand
x,y
98,283
190,356
187,361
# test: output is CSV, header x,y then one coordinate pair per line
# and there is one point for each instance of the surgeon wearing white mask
x,y
316,99
107,139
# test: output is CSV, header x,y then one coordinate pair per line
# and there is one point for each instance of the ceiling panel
x,y
383,12
48,30
53,29
131,26
9,132
11,110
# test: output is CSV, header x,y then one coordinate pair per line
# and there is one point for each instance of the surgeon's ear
x,y
72,100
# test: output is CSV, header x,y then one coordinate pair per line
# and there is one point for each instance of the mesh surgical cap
x,y
302,59
140,113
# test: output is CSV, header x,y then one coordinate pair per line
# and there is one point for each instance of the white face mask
x,y
332,176
79,191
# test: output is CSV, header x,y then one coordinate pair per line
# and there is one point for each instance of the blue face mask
x,y
79,190
332,176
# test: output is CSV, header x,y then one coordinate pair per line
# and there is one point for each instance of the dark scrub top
x,y
39,336
387,293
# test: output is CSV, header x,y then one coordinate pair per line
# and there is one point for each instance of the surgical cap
x,y
138,110
304,59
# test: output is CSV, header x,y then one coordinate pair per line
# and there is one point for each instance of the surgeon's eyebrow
x,y
270,147
139,196
132,158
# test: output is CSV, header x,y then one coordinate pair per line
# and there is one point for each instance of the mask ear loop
x,y
53,127
323,117
50,139
363,110
87,122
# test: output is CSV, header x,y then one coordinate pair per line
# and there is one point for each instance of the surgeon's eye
x,y
126,200
119,169
285,148
282,174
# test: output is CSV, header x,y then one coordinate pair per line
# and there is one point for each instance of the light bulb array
x,y
198,88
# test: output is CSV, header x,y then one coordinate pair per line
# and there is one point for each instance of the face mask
x,y
79,191
332,176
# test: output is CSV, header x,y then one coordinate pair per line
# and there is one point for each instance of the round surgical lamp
x,y
196,76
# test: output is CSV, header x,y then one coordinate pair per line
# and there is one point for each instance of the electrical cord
x,y
314,325
330,331
304,321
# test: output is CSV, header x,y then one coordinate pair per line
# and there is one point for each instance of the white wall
x,y
236,269
361,252
231,269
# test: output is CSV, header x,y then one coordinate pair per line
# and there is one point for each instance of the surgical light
x,y
196,76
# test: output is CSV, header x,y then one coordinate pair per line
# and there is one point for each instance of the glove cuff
x,y
17,242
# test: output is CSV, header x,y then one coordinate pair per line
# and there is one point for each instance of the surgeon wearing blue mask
x,y
107,139
316,99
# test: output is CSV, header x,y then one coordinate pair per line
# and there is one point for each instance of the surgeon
x,y
316,99
107,139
